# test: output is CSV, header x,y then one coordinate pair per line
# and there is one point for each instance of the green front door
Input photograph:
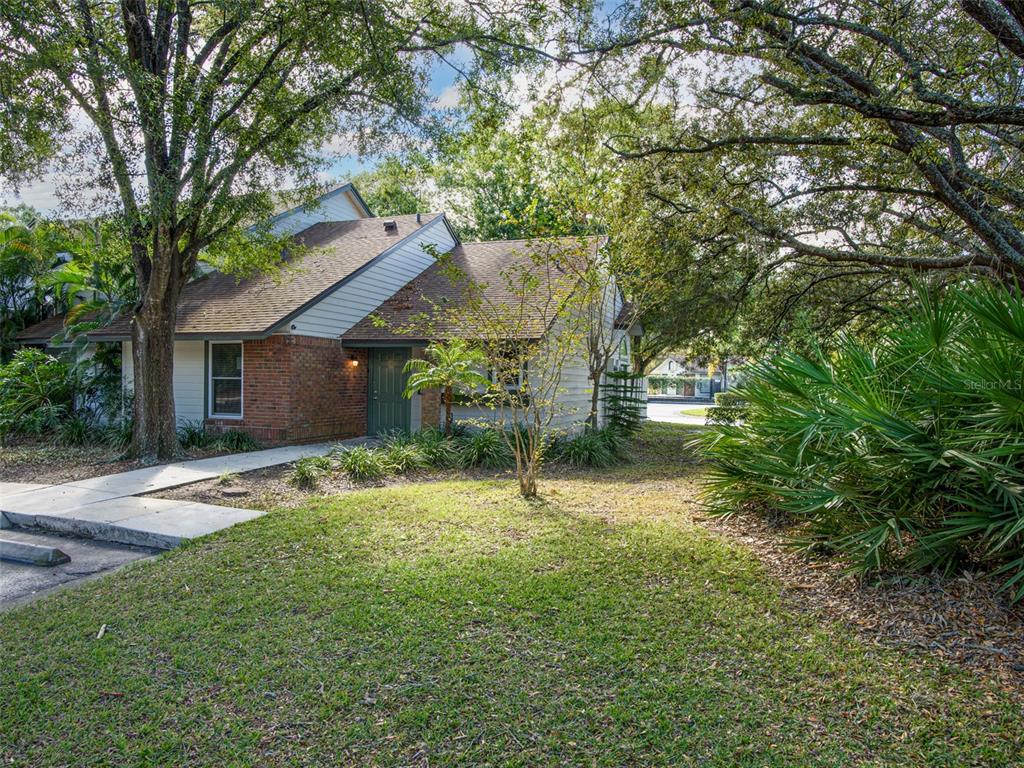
x,y
388,408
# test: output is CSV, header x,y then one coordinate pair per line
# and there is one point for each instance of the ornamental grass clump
x,y
485,448
308,472
403,457
593,448
364,464
904,455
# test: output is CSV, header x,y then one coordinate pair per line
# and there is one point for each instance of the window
x,y
226,380
622,363
511,373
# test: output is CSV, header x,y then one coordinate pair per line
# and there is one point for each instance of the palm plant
x,y
97,284
908,453
449,366
22,299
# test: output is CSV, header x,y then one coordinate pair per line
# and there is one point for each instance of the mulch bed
x,y
260,489
269,488
29,461
962,619
42,463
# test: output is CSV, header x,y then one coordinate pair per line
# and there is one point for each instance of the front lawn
x,y
452,623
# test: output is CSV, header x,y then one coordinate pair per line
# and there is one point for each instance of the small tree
x,y
528,329
527,324
451,365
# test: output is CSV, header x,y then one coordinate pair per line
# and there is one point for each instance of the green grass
x,y
700,410
455,624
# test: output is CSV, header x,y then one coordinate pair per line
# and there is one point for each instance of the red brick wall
x,y
430,407
328,392
430,399
300,389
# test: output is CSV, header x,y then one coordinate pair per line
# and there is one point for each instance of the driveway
x,y
671,412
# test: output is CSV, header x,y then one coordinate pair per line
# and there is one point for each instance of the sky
x,y
41,195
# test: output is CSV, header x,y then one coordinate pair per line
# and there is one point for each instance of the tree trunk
x,y
528,483
448,412
595,402
154,437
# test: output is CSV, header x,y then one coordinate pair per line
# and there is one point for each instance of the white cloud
x,y
448,98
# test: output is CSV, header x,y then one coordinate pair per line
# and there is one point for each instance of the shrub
x,y
729,408
589,448
439,451
118,435
237,441
363,464
623,401
192,435
592,447
403,457
485,448
906,454
396,437
37,391
617,442
309,471
74,430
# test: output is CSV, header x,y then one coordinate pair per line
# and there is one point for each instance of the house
x,y
678,376
296,357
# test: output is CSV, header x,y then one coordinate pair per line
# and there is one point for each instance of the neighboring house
x,y
675,375
295,357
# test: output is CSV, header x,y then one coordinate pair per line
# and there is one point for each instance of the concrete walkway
x,y
108,508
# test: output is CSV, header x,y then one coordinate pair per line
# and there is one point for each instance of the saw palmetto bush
x,y
905,455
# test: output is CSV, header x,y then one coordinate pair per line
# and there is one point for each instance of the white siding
x,y
574,397
576,387
338,311
331,207
189,370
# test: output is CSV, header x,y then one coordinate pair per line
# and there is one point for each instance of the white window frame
x,y
492,376
209,382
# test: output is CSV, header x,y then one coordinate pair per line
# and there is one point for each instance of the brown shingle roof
x,y
41,332
221,305
427,297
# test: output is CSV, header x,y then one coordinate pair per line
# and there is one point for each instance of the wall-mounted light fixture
x,y
353,361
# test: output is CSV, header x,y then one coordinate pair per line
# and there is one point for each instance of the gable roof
x,y
483,264
220,305
288,203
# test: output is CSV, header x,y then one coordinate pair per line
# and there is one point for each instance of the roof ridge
x,y
531,239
